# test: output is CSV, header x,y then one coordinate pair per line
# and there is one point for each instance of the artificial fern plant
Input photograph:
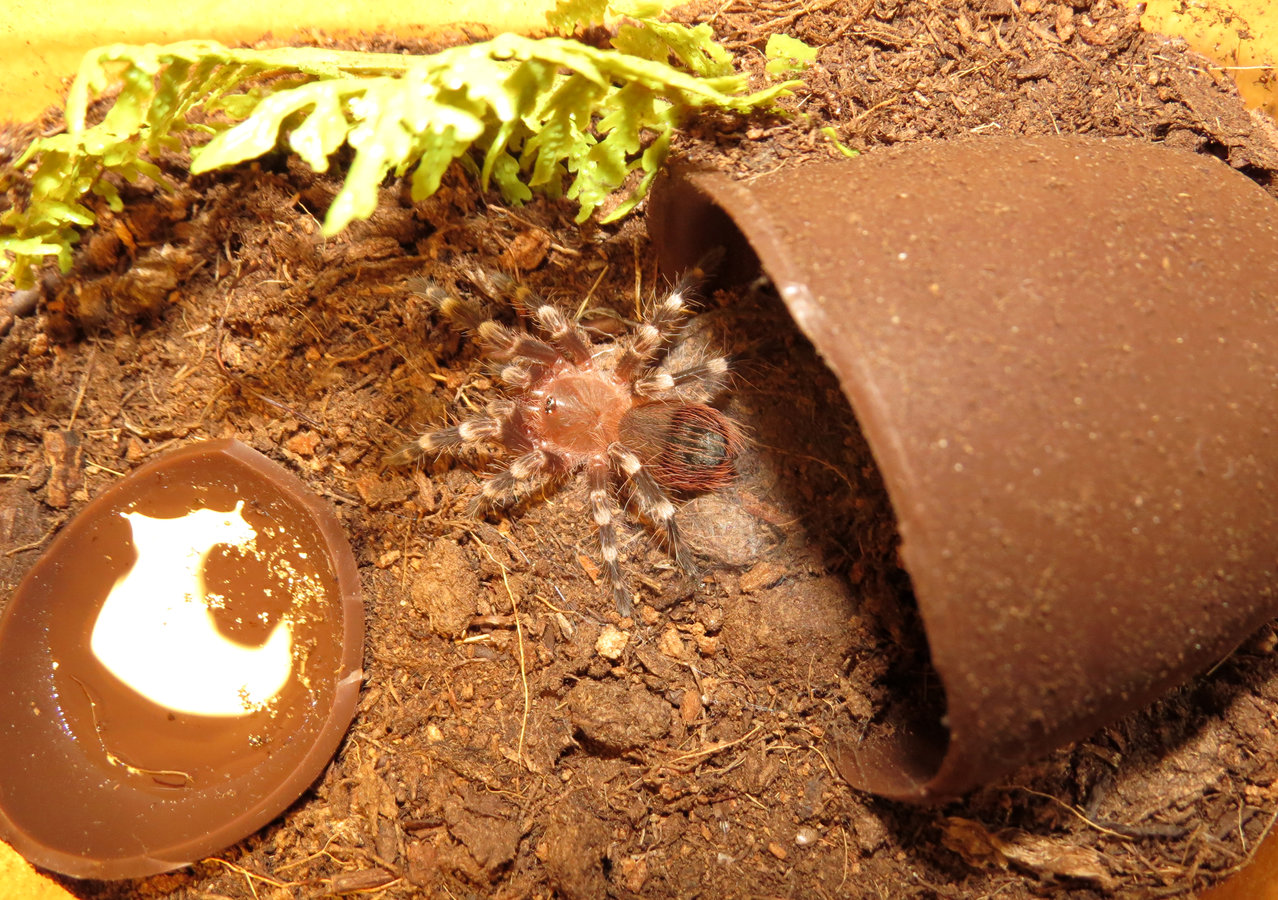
x,y
546,114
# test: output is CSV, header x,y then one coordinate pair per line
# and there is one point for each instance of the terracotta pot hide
x,y
1063,352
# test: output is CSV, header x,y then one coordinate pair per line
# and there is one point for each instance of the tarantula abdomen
x,y
688,447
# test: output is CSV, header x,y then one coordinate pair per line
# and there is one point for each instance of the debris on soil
x,y
516,737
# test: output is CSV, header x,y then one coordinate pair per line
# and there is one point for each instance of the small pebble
x,y
303,443
670,644
612,642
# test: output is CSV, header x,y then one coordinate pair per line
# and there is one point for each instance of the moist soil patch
x,y
515,737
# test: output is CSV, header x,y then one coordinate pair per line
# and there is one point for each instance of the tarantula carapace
x,y
637,405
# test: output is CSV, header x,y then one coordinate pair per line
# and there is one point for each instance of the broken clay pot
x,y
1063,352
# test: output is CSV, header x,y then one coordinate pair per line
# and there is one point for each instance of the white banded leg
x,y
463,314
662,323
654,503
601,513
564,334
515,376
696,384
525,475
449,439
501,286
502,343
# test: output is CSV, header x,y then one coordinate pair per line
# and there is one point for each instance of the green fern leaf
x,y
535,114
569,15
695,47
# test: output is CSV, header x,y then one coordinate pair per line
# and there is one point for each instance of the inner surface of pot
x,y
1063,353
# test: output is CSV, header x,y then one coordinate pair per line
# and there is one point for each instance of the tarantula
x,y
636,405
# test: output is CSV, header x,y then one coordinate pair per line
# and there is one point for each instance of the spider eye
x,y
551,405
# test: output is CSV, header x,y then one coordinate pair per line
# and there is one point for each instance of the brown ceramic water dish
x,y
179,666
1063,353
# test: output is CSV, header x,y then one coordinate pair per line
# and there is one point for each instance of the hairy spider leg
x,y
447,440
500,286
516,376
565,334
464,315
502,344
698,383
654,504
451,438
525,475
497,341
601,512
663,323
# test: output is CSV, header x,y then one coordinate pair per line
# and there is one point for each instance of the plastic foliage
x,y
547,114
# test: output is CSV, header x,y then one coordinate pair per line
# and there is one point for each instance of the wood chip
x,y
690,707
762,575
303,443
65,457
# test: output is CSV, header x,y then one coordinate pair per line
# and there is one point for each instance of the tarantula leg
x,y
516,376
698,383
706,265
477,430
525,475
447,440
499,342
564,334
654,503
503,344
601,512
500,286
661,326
463,314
